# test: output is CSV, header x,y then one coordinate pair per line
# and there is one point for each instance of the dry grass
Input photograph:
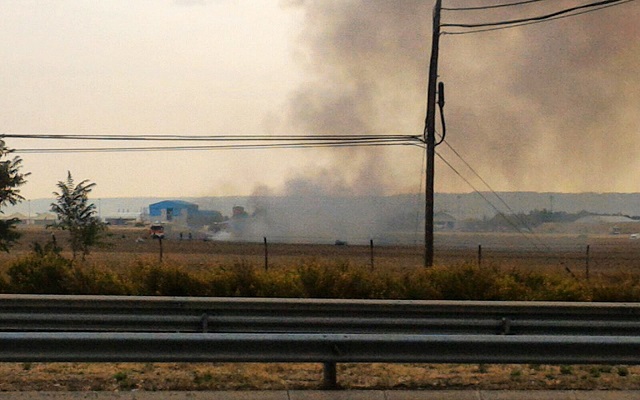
x,y
250,376
608,255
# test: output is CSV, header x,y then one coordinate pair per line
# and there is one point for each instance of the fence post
x,y
371,246
479,255
160,241
266,255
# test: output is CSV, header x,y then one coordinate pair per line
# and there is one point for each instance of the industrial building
x,y
168,210
179,212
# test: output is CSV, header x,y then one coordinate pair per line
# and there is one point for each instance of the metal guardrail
x,y
43,313
161,329
327,348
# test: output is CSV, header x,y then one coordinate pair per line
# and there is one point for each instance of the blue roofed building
x,y
179,213
169,210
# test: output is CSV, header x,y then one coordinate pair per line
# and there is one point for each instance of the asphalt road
x,y
331,395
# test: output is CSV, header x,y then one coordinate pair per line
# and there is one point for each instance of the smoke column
x,y
546,107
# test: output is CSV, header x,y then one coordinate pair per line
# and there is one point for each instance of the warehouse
x,y
182,213
168,210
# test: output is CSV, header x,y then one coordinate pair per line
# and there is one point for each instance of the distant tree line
x,y
523,221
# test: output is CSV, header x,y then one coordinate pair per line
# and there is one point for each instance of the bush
x,y
47,273
161,280
465,282
95,281
622,287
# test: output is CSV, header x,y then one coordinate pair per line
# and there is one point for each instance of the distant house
x,y
443,221
44,219
613,224
605,219
120,221
23,218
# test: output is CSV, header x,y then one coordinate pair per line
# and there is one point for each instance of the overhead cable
x,y
468,32
537,18
514,226
495,193
222,142
490,7
213,147
206,138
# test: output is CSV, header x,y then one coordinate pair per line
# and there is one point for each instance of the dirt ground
x,y
554,252
190,377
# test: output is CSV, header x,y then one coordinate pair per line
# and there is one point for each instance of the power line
x,y
207,138
537,18
514,226
484,181
495,193
490,7
222,142
537,22
212,147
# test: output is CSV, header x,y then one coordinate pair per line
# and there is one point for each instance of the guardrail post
x,y
329,376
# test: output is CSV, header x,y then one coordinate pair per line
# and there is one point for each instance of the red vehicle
x,y
156,231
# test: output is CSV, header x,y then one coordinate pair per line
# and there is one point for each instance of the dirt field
x,y
605,252
552,252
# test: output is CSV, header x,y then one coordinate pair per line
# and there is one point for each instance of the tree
x,y
10,180
77,215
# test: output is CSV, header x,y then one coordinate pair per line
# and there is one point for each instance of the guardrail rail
x,y
47,328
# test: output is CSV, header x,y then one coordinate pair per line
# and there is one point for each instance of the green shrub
x,y
243,279
622,287
161,280
281,282
318,281
418,285
47,271
563,288
41,273
94,281
465,282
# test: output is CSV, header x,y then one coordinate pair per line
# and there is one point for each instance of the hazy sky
x,y
551,107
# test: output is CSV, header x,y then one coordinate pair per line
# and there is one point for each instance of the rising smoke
x,y
547,107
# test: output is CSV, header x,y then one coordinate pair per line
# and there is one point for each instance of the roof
x,y
608,219
45,216
14,215
164,203
443,217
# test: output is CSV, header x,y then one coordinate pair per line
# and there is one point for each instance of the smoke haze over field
x,y
552,106
545,107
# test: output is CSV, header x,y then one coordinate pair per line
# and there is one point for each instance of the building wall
x,y
170,209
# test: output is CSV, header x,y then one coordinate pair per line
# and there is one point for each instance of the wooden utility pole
x,y
430,136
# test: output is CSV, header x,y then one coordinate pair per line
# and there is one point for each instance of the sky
x,y
551,107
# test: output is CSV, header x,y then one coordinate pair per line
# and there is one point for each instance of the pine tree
x,y
10,180
77,215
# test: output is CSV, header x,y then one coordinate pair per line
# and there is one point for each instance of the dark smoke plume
x,y
546,107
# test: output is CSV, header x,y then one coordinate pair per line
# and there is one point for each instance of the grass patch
x,y
50,272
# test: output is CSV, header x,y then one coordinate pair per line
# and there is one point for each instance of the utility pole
x,y
430,136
